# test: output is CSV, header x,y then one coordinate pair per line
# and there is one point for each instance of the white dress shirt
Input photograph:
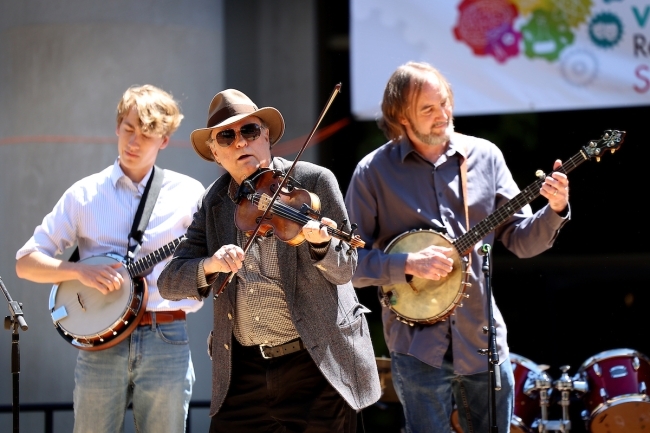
x,y
97,213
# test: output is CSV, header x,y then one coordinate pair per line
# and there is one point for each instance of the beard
x,y
435,139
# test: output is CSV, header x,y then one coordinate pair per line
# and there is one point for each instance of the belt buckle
x,y
262,346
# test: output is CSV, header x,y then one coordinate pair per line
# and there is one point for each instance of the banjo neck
x,y
142,265
611,140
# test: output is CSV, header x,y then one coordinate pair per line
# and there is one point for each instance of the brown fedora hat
x,y
228,107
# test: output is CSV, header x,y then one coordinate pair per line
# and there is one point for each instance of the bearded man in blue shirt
x,y
430,177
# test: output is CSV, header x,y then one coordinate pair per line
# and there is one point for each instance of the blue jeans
x,y
426,396
152,368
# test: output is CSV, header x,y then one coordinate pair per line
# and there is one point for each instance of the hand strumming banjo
x,y
425,301
90,320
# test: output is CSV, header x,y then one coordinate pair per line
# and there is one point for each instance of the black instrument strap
x,y
142,215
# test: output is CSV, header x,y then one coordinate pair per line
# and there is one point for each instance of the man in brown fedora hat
x,y
290,346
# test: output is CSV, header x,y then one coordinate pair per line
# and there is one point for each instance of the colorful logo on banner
x,y
533,28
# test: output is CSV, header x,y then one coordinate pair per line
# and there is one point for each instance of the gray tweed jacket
x,y
323,304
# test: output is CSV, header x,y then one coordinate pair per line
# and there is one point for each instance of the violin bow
x,y
335,92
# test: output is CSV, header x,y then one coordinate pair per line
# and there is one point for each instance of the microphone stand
x,y
16,319
494,371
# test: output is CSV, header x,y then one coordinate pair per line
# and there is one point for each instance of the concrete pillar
x,y
271,55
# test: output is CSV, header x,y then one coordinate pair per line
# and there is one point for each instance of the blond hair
x,y
157,110
404,87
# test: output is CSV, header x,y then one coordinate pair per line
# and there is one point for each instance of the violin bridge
x,y
265,201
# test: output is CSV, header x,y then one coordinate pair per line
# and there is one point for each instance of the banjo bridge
x,y
83,307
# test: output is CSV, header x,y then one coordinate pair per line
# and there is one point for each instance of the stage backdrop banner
x,y
506,56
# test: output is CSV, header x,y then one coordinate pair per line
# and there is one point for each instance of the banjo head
x,y
84,312
425,301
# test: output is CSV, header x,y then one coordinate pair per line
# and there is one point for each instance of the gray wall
x,y
63,68
271,55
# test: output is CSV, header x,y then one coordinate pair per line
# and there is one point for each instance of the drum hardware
x,y
530,378
565,385
544,386
612,385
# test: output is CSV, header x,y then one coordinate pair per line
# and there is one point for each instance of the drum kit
x,y
610,387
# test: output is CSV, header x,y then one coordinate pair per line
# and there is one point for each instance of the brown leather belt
x,y
283,349
161,317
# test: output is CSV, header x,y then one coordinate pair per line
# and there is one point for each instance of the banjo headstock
x,y
611,140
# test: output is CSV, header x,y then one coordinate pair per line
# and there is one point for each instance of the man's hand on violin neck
x,y
315,232
228,258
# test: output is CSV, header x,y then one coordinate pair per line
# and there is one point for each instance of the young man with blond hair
x,y
150,368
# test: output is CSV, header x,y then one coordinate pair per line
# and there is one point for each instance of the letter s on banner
x,y
639,72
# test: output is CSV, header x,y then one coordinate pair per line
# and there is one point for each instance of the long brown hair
x,y
403,87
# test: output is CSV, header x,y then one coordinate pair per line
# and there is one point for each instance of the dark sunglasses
x,y
250,131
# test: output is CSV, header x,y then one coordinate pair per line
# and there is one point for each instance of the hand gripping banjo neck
x,y
611,140
425,301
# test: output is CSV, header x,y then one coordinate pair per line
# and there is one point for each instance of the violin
x,y
292,209
284,218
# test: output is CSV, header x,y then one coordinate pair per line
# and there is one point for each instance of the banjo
x,y
90,320
423,301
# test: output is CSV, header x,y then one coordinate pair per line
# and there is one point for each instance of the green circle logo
x,y
605,30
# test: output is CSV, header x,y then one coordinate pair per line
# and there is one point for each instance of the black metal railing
x,y
48,410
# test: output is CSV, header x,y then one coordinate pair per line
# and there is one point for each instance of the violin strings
x,y
294,215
